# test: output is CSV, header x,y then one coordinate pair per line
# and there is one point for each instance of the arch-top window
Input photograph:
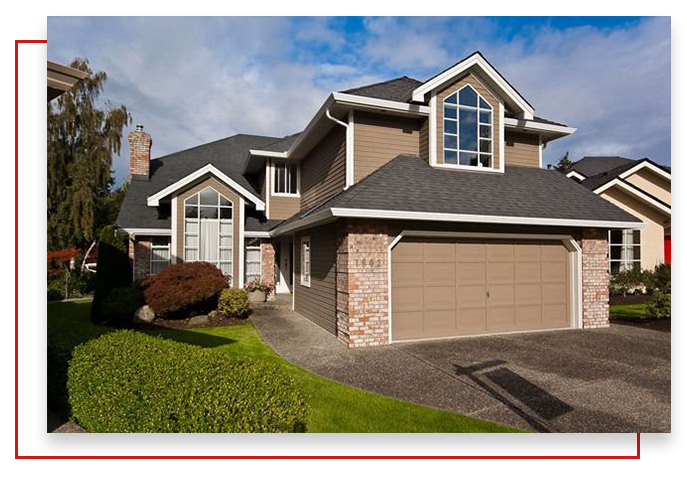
x,y
468,125
208,229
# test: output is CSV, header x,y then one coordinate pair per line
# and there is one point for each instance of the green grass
x,y
332,406
629,312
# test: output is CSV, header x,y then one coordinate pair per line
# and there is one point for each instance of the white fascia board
x,y
316,218
638,193
144,231
648,165
576,175
474,60
257,234
268,154
384,105
154,200
537,126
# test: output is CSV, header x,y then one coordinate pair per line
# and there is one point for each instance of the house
x,y
640,187
62,78
405,210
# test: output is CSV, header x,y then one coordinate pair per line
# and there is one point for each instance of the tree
x,y
564,163
81,141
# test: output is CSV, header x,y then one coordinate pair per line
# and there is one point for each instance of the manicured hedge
x,y
183,288
234,303
128,381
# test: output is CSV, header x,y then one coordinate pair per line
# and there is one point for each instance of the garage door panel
x,y
408,251
440,298
440,323
407,274
439,274
471,273
500,252
528,294
555,315
528,317
472,296
471,252
471,321
554,293
407,325
501,319
407,299
500,295
527,252
554,271
527,272
553,252
440,252
500,273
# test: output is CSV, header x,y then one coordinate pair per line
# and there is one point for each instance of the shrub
x,y
128,381
234,303
659,305
661,278
55,287
114,269
630,281
184,288
120,304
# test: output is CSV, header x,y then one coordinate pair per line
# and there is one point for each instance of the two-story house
x,y
405,210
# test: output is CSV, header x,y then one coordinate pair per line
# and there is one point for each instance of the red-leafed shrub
x,y
183,288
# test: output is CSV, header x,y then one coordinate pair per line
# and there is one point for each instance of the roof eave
x,y
547,131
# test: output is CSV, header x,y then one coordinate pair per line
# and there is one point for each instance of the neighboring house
x,y
640,187
405,210
62,78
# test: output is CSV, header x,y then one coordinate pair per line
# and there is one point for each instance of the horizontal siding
x,y
424,140
522,149
651,183
318,302
323,170
283,207
378,139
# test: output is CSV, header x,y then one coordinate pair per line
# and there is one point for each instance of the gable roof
x,y
398,89
592,165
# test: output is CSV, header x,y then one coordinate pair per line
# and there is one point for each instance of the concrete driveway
x,y
605,380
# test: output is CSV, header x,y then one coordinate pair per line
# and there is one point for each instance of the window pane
x,y
225,228
485,160
224,201
191,211
616,237
468,159
450,112
160,241
209,197
485,131
225,254
450,157
636,253
225,213
225,241
450,127
468,130
191,226
485,117
192,200
485,145
636,237
226,268
483,104
208,212
191,241
615,267
293,186
190,255
450,141
452,99
615,252
468,96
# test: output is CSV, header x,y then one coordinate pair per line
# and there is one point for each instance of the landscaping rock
x,y
216,315
198,320
144,315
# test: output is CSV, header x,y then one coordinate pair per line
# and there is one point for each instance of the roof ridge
x,y
210,143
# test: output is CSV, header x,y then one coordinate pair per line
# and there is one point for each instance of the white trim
x,y
541,147
433,148
538,126
645,164
502,139
268,186
242,244
474,60
154,200
257,234
142,231
273,169
350,165
571,245
636,192
305,282
293,272
267,154
175,226
376,103
576,175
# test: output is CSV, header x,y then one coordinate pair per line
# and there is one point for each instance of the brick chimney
x,y
139,152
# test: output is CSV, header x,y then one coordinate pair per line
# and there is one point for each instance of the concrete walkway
x,y
607,380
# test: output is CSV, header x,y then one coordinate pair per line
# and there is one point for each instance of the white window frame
x,y
634,261
253,248
306,272
230,222
275,166
458,149
154,247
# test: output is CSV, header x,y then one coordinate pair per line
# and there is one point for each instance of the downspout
x,y
349,145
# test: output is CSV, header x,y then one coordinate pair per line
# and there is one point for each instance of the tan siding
x,y
323,170
651,183
424,140
379,139
231,195
472,80
318,302
283,207
522,149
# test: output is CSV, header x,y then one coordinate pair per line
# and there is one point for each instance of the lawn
x,y
629,312
332,406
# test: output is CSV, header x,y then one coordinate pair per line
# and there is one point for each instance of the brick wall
x,y
139,253
362,284
140,143
267,259
595,278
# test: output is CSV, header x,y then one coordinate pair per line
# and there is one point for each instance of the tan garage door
x,y
445,288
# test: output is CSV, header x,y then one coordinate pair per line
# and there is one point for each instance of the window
x,y
208,229
624,250
305,261
468,122
159,254
253,260
285,178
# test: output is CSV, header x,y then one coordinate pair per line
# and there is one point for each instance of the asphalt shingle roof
x,y
592,165
398,89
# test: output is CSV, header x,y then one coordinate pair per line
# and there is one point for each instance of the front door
x,y
284,260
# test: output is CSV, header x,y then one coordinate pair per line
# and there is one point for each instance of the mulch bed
x,y
630,299
186,323
660,325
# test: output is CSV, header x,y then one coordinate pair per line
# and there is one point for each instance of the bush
x,y
661,278
127,382
120,304
114,269
659,305
630,281
234,303
75,284
55,287
184,288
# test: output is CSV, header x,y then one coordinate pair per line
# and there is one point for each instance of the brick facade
x,y
268,272
362,305
139,253
140,143
595,278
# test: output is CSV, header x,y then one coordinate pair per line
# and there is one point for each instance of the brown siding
x,y
522,149
283,207
651,183
318,302
424,140
469,79
378,139
323,170
230,195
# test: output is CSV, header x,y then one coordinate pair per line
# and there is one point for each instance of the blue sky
x,y
194,80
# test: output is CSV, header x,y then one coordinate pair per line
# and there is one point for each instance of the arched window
x,y
209,230
468,125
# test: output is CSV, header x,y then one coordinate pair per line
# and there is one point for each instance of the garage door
x,y
446,288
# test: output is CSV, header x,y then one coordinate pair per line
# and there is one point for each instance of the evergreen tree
x,y
564,163
82,137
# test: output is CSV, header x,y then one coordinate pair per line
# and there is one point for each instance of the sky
x,y
194,80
